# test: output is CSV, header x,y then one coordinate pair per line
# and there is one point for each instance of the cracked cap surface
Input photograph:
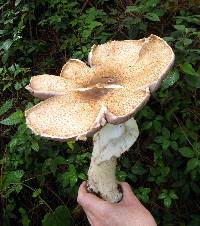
x,y
115,85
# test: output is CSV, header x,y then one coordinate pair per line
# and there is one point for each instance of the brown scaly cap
x,y
118,82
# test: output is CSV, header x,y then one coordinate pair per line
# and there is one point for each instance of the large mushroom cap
x,y
118,82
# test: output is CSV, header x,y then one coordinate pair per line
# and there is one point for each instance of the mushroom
x,y
101,100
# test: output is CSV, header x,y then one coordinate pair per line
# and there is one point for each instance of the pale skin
x,y
128,212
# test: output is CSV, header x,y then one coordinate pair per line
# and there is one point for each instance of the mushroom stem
x,y
101,180
109,143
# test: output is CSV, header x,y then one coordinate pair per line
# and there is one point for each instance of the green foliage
x,y
191,76
60,217
36,193
172,77
38,177
167,196
25,220
13,119
11,182
6,106
143,194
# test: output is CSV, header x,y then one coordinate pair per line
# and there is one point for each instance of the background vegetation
x,y
40,178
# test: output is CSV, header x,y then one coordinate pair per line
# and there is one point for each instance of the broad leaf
x,y
192,77
192,164
171,78
35,145
167,201
13,119
186,152
188,69
60,217
70,177
7,44
133,9
6,106
25,220
12,177
152,17
193,80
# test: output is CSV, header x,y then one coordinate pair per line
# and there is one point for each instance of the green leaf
x,y
180,27
24,216
165,133
174,145
35,145
195,187
82,176
2,32
121,175
172,77
126,162
151,3
165,144
71,145
18,85
5,59
192,164
70,177
15,188
12,177
162,195
36,193
188,69
7,44
152,17
186,152
17,2
193,80
192,77
13,119
148,113
6,106
159,139
146,125
173,195
138,169
167,201
133,9
187,41
60,217
7,85
157,126
143,194
164,171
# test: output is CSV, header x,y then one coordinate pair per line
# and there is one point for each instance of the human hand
x,y
128,212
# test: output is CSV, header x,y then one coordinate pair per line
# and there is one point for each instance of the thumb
x,y
128,195
89,201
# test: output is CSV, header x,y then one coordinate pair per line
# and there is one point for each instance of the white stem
x,y
101,180
109,143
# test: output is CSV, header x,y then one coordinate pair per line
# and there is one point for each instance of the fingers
x,y
126,188
89,217
90,202
128,195
93,204
84,196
